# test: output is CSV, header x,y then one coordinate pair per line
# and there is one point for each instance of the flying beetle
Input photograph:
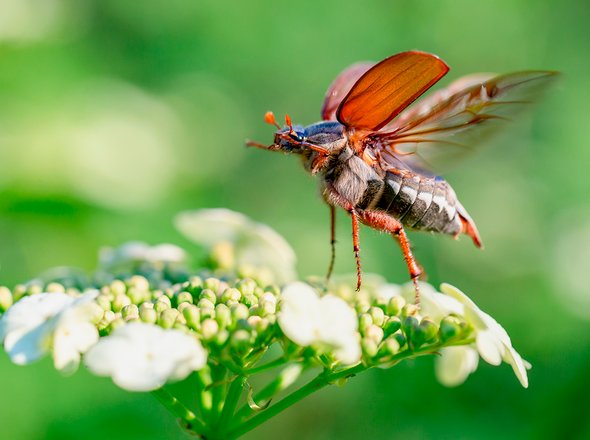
x,y
375,154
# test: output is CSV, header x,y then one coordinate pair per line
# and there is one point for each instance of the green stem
x,y
204,396
269,365
316,384
179,410
218,386
231,402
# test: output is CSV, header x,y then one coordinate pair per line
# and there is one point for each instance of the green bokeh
x,y
116,114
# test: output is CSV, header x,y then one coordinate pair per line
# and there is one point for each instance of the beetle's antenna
x,y
289,123
269,118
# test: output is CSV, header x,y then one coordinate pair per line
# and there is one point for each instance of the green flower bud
x,y
392,325
246,286
273,290
450,328
223,255
222,315
148,314
183,305
395,305
137,296
377,315
120,301
18,292
221,337
118,287
204,303
239,311
161,304
192,315
96,313
5,298
370,347
167,318
409,326
231,294
209,328
240,341
267,303
409,310
250,300
390,346
139,282
212,284
195,283
184,297
258,291
103,301
400,338
34,288
130,311
55,288
209,295
429,329
374,333
362,306
365,321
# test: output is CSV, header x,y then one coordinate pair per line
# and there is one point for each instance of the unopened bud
x,y
429,329
192,315
409,310
161,305
378,316
246,286
450,328
268,303
395,305
167,318
392,325
118,287
365,321
55,288
370,347
137,296
130,311
362,306
374,333
409,326
184,297
148,314
212,284
209,329
390,346
120,301
222,315
208,295
116,323
239,311
5,298
231,294
103,301
240,341
250,300
139,282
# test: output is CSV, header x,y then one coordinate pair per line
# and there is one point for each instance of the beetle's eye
x,y
296,137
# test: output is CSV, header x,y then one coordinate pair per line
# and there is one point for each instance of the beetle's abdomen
x,y
420,202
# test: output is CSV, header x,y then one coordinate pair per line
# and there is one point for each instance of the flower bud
x,y
103,301
118,287
208,295
139,282
192,315
390,346
148,314
409,326
209,329
117,322
34,287
18,292
246,286
5,298
268,303
365,321
239,311
377,315
137,296
370,347
130,311
223,255
231,294
167,318
375,333
212,284
120,301
184,297
55,288
240,341
450,328
429,329
222,315
362,306
161,304
195,282
395,305
392,325
250,300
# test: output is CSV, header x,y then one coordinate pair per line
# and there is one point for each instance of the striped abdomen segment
x,y
420,202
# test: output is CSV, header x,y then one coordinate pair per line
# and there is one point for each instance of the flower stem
x,y
269,365
322,380
231,402
179,410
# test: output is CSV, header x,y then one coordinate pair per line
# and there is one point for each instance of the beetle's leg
x,y
356,247
332,241
386,223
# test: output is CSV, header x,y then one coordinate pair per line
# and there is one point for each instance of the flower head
x,y
329,321
143,357
50,321
242,242
135,252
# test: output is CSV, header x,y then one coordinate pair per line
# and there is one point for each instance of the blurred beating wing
x,y
387,88
340,88
445,125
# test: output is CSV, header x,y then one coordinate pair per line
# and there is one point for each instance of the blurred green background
x,y
117,114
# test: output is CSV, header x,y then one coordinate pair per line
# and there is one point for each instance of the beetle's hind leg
x,y
386,223
332,241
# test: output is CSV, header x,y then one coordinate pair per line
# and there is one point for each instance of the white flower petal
x,y
143,357
489,347
518,365
300,313
455,364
